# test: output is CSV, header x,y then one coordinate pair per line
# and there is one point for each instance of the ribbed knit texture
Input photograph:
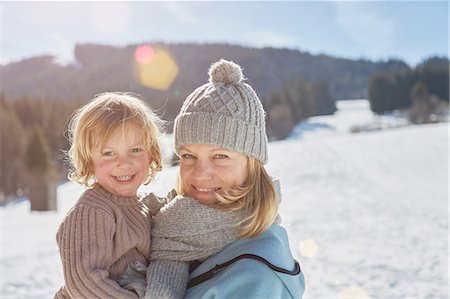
x,y
182,231
98,239
224,112
154,203
167,279
186,230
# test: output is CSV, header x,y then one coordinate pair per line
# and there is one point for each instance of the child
x,y
114,150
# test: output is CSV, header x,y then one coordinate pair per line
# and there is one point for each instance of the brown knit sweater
x,y
97,239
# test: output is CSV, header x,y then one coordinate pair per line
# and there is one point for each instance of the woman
x,y
225,207
221,140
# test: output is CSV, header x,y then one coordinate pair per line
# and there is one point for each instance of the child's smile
x,y
122,164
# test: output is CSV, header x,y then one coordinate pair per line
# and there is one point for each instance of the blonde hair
x,y
94,123
256,198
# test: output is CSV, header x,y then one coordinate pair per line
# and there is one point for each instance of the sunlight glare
x,y
154,67
308,248
353,292
144,54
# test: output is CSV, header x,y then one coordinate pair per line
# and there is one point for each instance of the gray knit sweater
x,y
183,230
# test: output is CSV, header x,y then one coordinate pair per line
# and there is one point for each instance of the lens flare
x,y
144,54
353,292
154,67
308,248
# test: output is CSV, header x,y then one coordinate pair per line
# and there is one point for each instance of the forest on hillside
x,y
38,96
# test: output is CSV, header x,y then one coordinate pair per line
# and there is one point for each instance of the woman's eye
x,y
221,156
187,156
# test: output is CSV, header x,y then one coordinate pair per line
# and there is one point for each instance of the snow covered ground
x,y
367,213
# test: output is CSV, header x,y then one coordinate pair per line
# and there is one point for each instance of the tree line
x,y
32,142
98,67
33,130
422,91
38,96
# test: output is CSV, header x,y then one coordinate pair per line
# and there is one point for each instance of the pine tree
x,y
42,184
424,105
381,92
38,154
324,103
12,143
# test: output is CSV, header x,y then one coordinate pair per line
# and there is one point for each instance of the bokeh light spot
x,y
308,248
154,67
144,54
353,292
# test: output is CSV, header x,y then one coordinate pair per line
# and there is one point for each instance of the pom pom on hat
x,y
224,71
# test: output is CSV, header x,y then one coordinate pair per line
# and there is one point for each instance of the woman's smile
x,y
209,170
206,189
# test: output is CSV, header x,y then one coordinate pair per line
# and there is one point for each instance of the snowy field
x,y
367,213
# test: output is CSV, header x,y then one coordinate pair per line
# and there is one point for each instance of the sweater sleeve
x,y
183,231
167,279
86,244
154,203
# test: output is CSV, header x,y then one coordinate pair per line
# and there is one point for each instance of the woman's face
x,y
206,170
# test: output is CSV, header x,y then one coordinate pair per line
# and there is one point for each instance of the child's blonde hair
x,y
256,198
93,124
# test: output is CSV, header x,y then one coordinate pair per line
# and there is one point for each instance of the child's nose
x,y
123,161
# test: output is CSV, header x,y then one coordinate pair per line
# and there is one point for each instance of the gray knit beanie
x,y
225,112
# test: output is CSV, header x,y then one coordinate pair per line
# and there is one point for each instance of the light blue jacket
x,y
248,278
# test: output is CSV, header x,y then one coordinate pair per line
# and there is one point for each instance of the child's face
x,y
122,164
206,170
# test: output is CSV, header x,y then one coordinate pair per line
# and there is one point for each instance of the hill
x,y
101,67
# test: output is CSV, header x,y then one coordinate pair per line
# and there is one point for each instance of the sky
x,y
376,30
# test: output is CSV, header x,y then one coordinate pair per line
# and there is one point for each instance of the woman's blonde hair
x,y
93,124
256,199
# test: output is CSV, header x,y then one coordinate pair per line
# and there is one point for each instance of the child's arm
x,y
155,203
183,231
167,279
85,241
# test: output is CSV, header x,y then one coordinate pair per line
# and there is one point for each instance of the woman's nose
x,y
202,169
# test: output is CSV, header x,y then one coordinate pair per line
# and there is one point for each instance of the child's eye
x,y
137,150
107,153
